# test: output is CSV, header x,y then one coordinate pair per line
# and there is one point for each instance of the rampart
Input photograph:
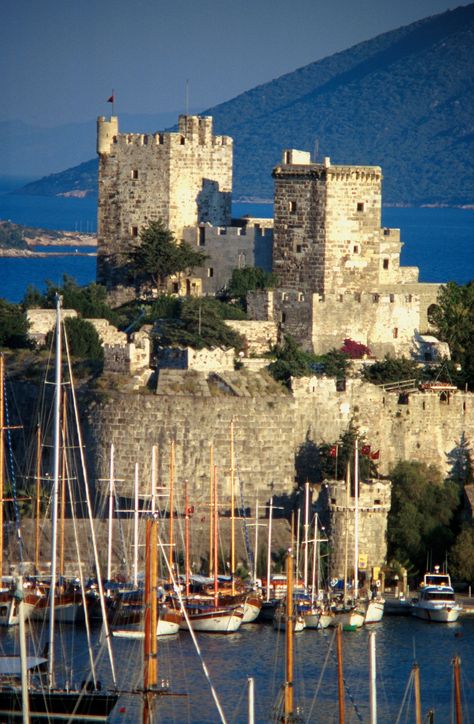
x,y
273,432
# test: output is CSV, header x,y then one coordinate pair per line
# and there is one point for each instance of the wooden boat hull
x,y
57,706
64,612
214,620
252,608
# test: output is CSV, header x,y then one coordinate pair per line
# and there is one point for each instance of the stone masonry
x,y
373,507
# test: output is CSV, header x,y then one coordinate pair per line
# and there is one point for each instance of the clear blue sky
x,y
60,59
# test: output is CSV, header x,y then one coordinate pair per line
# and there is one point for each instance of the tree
x,y
246,280
422,513
453,319
90,300
159,256
198,323
83,339
461,557
391,369
460,459
13,326
292,361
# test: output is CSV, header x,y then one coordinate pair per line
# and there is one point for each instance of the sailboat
x,y
8,598
45,699
210,614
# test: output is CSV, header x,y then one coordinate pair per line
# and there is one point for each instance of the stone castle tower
x,y
339,271
373,508
183,178
327,230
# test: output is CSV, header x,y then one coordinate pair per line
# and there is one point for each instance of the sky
x,y
61,59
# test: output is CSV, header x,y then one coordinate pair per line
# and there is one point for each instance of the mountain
x,y
403,100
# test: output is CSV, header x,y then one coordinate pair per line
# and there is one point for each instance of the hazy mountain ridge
x,y
403,100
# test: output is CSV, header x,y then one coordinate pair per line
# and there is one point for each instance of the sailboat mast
x,y
269,551
288,717
55,492
38,498
306,529
373,678
150,669
215,556
171,528
416,688
256,543
232,509
356,518
346,514
186,536
340,676
211,509
62,513
135,529
111,511
457,688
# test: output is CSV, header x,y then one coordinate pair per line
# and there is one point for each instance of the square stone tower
x,y
327,232
183,178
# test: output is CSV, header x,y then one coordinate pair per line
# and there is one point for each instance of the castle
x,y
338,270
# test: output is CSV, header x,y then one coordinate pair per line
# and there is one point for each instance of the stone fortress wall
x,y
270,431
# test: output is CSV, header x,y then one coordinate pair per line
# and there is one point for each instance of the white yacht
x,y
436,599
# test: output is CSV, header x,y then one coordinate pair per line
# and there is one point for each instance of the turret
x,y
106,131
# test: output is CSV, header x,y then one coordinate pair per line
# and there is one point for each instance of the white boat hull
x,y
311,620
440,614
374,611
251,611
214,621
279,623
353,619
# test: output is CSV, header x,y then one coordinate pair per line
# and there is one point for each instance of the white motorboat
x,y
436,599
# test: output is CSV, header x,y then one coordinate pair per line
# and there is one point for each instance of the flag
x,y
111,99
365,450
190,510
375,455
333,451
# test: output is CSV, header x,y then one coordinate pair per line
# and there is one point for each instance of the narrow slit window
x,y
385,263
360,206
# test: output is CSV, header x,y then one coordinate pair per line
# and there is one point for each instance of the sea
x,y
439,241
257,651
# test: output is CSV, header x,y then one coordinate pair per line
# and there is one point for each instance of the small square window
x,y
356,249
360,206
293,207
210,272
135,173
134,231
298,248
392,298
385,263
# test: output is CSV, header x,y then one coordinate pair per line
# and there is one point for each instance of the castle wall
x,y
270,430
228,248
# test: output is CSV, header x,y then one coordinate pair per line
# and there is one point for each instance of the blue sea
x,y
438,241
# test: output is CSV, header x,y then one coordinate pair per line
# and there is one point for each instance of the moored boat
x,y
436,599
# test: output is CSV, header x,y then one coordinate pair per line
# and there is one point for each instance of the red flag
x,y
190,510
111,99
365,450
375,455
333,451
